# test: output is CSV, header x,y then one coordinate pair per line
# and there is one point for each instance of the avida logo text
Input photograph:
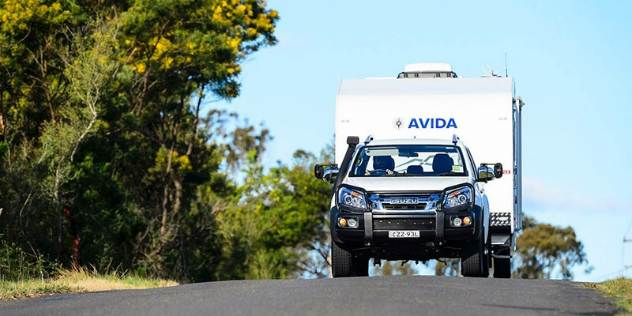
x,y
432,123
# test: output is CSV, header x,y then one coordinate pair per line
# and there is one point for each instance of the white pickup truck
x,y
412,190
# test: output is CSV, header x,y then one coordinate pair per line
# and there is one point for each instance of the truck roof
x,y
411,141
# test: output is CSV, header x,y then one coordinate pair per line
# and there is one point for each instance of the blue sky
x,y
568,59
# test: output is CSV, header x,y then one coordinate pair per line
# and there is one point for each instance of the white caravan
x,y
417,188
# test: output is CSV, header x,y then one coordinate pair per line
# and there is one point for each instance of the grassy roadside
x,y
76,282
621,288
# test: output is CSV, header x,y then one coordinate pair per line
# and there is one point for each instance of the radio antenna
x,y
506,72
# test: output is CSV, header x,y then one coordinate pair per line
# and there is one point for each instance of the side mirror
x,y
485,174
319,171
498,170
331,174
328,174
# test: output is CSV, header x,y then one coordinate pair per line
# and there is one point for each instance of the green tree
x,y
112,156
545,251
33,47
180,52
104,131
316,256
277,219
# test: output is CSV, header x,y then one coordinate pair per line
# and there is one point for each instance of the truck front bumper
x,y
434,228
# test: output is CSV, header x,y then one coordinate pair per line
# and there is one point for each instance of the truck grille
x,y
419,206
404,224
405,202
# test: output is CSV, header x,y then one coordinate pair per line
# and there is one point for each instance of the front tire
x,y
344,264
475,263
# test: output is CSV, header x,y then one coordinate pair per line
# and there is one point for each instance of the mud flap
x,y
440,233
368,228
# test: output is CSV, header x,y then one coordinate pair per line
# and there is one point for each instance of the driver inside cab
x,y
382,165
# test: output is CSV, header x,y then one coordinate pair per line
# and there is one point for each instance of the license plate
x,y
403,234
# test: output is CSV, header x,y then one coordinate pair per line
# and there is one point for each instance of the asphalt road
x,y
393,295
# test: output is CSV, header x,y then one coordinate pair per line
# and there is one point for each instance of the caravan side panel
x,y
478,110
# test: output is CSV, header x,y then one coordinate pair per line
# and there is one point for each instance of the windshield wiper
x,y
448,174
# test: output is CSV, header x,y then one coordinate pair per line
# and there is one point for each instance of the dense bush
x,y
17,264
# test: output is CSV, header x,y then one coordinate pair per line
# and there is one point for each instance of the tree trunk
x,y
1,118
74,239
165,195
1,123
59,212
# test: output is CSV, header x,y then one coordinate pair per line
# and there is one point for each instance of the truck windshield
x,y
408,161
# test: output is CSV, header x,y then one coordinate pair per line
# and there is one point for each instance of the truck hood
x,y
404,183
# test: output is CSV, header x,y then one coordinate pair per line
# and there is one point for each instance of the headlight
x,y
457,197
351,198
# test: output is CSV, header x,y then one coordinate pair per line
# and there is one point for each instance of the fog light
x,y
342,222
352,222
467,220
457,221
